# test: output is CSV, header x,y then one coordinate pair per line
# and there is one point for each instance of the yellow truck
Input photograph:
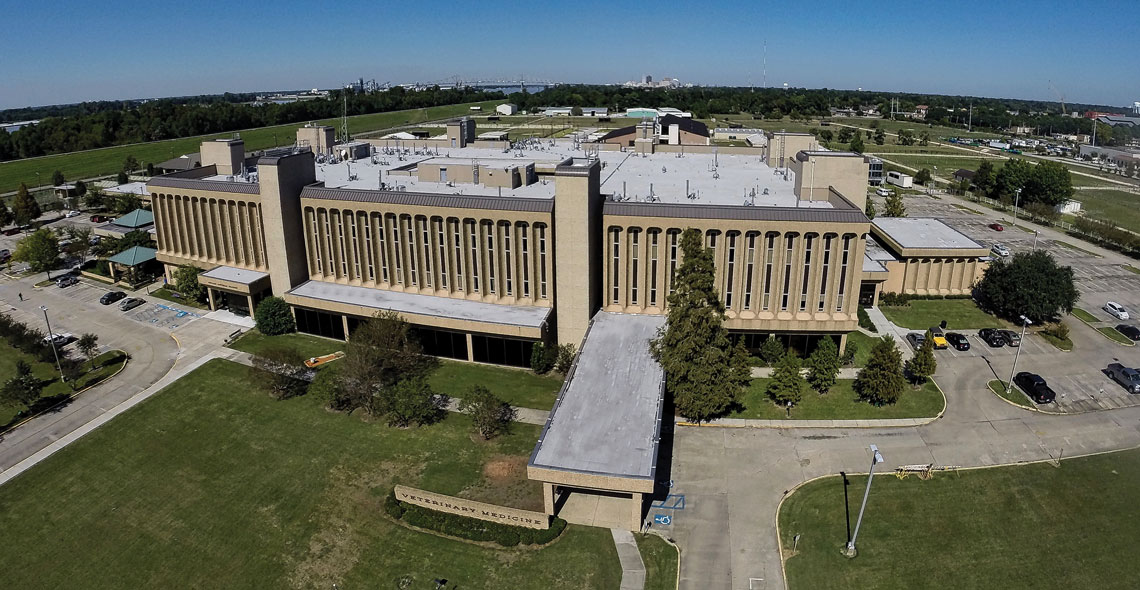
x,y
939,338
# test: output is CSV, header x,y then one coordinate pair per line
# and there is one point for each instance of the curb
x,y
1030,408
676,547
1097,330
71,397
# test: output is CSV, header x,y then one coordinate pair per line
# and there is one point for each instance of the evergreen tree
x,y
923,176
704,372
24,206
984,178
857,144
787,385
923,365
186,282
880,137
870,211
823,365
895,206
881,381
57,178
6,215
772,350
274,317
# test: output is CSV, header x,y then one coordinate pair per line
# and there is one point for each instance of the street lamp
x,y
51,338
1016,199
1035,234
876,458
1009,385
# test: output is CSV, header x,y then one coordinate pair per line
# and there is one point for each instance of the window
x,y
748,270
428,277
412,252
383,240
810,241
474,234
769,260
328,243
312,219
458,262
712,240
442,245
355,245
791,239
616,272
843,272
490,231
508,262
368,247
731,268
397,254
653,235
524,244
542,261
823,274
672,261
634,278
340,238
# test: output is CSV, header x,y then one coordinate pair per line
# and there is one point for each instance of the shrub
x,y
274,317
543,358
489,414
848,356
565,358
894,300
1058,330
865,320
771,351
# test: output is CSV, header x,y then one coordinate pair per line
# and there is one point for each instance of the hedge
x,y
865,320
469,528
904,299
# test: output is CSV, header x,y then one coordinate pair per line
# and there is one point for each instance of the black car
x,y
1132,332
111,297
958,341
991,337
1035,387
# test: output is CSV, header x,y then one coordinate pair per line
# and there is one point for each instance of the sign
x,y
663,519
480,510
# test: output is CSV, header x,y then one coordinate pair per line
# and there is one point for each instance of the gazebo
x,y
130,260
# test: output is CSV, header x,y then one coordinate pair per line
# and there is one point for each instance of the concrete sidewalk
x,y
888,328
765,372
632,567
756,423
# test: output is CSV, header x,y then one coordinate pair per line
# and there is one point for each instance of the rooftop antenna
x,y
764,83
344,120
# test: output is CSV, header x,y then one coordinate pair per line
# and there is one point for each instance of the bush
x,y
848,357
565,358
771,351
1058,330
865,320
894,300
274,317
543,358
469,528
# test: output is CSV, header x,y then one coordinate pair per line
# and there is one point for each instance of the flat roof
x,y
134,188
607,419
235,275
429,305
923,232
875,251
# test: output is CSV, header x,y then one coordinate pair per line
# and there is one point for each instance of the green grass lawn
x,y
106,161
1131,269
1029,526
863,344
661,561
1065,345
960,314
1115,335
307,345
1015,395
515,386
1084,316
841,403
941,165
54,390
212,483
1117,206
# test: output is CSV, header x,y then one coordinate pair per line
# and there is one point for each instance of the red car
x,y
100,218
996,227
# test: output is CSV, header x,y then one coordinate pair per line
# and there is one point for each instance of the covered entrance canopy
x,y
237,289
604,431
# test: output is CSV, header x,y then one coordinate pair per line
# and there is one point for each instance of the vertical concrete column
x,y
344,321
635,511
281,180
577,249
249,302
470,348
547,495
842,342
213,303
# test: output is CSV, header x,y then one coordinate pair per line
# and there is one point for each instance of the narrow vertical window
x,y
474,231
525,251
823,274
769,260
489,229
316,240
460,284
355,245
749,263
634,278
367,229
328,243
731,263
843,272
383,242
412,270
508,262
428,275
616,272
672,261
542,261
343,249
787,273
810,241
653,235
397,253
442,262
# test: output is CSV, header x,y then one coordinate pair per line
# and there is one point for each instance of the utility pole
x,y
1009,385
970,124
51,338
876,458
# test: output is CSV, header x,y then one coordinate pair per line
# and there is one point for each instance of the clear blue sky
x,y
68,51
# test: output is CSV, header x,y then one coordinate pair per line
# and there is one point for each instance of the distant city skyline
x,y
998,48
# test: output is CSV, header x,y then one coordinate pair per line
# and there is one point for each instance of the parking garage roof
x,y
607,419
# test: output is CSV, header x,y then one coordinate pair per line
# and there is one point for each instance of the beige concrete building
x,y
919,256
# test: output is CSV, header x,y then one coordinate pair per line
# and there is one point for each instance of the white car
x,y
882,192
1000,250
1116,310
71,214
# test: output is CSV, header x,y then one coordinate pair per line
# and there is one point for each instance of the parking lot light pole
x,y
1016,200
1009,385
876,458
1036,233
51,338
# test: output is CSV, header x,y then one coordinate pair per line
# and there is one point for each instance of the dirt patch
x,y
504,467
505,483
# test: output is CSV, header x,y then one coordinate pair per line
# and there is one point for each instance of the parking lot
x,y
1077,377
160,314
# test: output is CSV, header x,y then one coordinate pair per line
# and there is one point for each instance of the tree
x,y
704,372
826,135
282,372
964,185
856,145
823,365
984,178
1048,183
24,388
771,351
576,111
906,137
543,357
565,358
6,215
125,203
149,169
880,136
88,344
870,209
130,164
24,206
274,317
122,177
923,365
381,353
924,139
80,236
133,238
186,282
40,250
895,205
923,176
1043,212
1012,177
57,178
844,135
787,385
80,188
1030,284
410,401
489,414
94,198
881,381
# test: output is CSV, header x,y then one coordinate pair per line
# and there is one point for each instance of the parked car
x,y
1116,310
1035,387
1011,338
1126,376
916,339
997,227
100,218
958,341
1132,332
71,213
1000,250
882,192
66,281
59,339
992,337
5,255
12,231
111,297
129,304
939,338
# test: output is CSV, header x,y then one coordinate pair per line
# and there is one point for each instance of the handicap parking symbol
x,y
663,519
